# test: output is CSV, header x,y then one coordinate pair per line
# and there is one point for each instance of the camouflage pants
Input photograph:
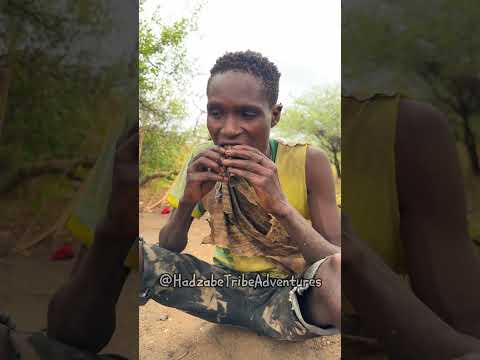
x,y
15,345
184,282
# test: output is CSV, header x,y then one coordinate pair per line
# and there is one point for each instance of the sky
x,y
302,37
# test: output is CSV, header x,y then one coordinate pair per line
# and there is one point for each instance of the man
x,y
404,194
82,311
81,317
288,185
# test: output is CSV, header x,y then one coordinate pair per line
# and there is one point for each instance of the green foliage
x,y
427,50
57,107
163,148
423,49
60,102
315,118
164,75
164,68
408,40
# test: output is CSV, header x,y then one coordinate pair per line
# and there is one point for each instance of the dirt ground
x,y
169,334
29,281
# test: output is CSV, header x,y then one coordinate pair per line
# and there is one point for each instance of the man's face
x,y
238,111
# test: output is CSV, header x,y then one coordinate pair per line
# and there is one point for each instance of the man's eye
x,y
249,114
215,113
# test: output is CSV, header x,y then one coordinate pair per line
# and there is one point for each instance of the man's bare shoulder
x,y
319,175
420,121
317,166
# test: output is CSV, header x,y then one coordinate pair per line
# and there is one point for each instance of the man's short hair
x,y
254,63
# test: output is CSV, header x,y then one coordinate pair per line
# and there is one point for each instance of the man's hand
x,y
261,173
122,211
203,172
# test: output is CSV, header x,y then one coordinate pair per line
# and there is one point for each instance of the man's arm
x,y
433,225
200,180
323,237
322,197
408,328
174,235
443,265
82,312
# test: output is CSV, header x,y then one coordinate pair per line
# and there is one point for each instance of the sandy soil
x,y
166,333
28,282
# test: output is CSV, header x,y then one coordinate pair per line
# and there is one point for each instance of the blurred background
x,y
68,81
433,58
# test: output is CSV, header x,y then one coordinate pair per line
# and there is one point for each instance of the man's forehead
x,y
237,87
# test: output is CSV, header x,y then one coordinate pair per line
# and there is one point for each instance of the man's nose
x,y
231,126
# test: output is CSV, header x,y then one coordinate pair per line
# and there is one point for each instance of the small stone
x,y
163,317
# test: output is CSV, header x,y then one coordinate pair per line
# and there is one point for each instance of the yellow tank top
x,y
290,161
369,189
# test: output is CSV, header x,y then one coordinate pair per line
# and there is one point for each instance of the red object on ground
x,y
62,253
165,210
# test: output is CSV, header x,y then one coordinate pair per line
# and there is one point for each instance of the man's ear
x,y
276,113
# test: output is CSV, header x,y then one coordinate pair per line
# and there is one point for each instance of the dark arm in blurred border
x,y
82,312
440,318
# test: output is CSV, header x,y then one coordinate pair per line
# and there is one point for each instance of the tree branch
x,y
160,174
21,174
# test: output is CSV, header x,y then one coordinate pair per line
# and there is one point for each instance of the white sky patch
x,y
303,38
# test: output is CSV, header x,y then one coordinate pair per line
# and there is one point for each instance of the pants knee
x,y
332,265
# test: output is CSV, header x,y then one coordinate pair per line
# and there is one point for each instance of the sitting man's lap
x,y
267,310
37,345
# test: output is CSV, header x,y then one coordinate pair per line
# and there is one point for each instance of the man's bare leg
x,y
321,306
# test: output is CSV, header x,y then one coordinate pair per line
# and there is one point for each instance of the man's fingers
x,y
134,129
206,176
128,149
243,154
209,153
251,177
248,165
205,163
249,154
125,174
246,148
218,149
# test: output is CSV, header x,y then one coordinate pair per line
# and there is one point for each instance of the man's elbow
x,y
176,248
335,239
79,330
171,242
